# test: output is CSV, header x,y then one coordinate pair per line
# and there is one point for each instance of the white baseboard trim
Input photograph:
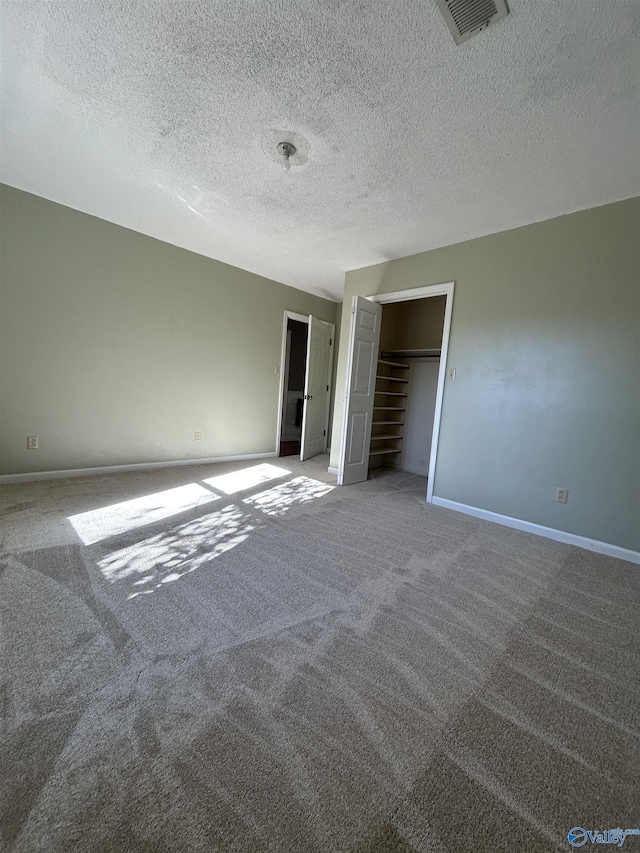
x,y
136,466
539,530
332,470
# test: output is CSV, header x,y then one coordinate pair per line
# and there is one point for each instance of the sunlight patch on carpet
x,y
98,524
247,478
166,557
279,499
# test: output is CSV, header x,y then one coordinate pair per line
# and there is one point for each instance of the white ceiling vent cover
x,y
465,18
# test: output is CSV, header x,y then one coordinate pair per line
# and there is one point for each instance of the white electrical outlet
x,y
562,495
276,370
197,436
32,442
451,374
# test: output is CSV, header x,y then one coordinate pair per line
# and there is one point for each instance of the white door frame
x,y
301,318
445,289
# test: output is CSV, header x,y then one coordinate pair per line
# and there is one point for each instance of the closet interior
x,y
406,384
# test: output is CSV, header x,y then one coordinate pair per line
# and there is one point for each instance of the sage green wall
x,y
116,348
545,339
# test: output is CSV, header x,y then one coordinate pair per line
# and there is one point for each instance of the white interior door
x,y
316,391
364,339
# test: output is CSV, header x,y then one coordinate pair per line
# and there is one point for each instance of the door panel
x,y
359,424
364,340
316,396
364,376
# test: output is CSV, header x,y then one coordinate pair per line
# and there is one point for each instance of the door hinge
x,y
327,387
330,341
324,432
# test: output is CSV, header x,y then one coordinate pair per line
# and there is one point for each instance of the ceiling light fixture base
x,y
285,148
286,151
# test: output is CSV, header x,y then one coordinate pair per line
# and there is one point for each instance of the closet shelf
x,y
392,364
391,378
389,439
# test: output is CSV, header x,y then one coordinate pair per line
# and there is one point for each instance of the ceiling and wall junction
x,y
153,115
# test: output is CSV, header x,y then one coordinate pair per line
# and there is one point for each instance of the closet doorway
x,y
305,386
396,367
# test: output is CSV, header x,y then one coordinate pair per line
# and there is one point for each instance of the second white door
x,y
362,361
316,391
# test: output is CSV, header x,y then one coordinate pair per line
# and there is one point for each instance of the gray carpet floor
x,y
263,662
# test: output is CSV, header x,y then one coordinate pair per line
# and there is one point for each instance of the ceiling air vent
x,y
465,18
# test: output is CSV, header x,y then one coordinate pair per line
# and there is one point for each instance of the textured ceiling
x,y
155,115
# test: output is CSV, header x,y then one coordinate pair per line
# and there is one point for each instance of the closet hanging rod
x,y
412,353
